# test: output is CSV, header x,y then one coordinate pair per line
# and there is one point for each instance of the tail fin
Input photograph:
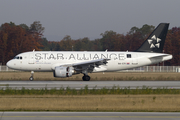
x,y
155,41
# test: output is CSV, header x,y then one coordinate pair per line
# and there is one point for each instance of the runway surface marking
x,y
90,84
96,116
90,115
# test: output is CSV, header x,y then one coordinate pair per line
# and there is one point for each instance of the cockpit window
x,y
15,57
18,57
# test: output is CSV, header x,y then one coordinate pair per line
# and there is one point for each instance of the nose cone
x,y
9,64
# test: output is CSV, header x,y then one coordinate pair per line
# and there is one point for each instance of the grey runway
x,y
89,116
90,84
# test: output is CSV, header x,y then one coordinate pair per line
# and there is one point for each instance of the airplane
x,y
67,63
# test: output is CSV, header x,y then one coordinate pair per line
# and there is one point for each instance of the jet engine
x,y
62,71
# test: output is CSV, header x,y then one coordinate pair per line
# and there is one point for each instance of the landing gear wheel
x,y
31,78
86,78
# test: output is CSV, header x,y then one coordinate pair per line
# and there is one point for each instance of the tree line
x,y
15,39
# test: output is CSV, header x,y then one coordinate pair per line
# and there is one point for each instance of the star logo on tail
x,y
154,42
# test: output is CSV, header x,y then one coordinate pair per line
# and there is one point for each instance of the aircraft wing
x,y
89,65
95,62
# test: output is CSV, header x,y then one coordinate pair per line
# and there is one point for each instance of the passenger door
x,y
134,59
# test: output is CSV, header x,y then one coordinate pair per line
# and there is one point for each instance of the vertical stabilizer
x,y
155,41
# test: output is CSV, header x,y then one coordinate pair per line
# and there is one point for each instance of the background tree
x,y
45,45
36,28
83,44
66,43
15,39
144,31
108,40
172,46
97,46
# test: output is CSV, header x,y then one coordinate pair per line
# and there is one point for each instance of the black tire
x,y
86,78
31,78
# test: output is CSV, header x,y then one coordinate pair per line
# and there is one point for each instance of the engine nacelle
x,y
62,71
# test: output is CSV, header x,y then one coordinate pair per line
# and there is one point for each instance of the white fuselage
x,y
48,60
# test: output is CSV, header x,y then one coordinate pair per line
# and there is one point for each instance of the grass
x,y
114,99
167,103
85,91
114,76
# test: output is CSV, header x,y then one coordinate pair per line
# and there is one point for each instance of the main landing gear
x,y
86,77
31,78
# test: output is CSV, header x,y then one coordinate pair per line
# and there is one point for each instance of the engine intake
x,y
63,71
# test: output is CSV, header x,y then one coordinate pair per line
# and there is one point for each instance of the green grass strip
x,y
86,91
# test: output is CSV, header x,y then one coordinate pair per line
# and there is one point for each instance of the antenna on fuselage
x,y
33,50
106,50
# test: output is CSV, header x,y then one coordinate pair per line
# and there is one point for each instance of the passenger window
x,y
128,55
20,58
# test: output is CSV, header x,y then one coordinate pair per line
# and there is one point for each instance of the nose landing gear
x,y
31,78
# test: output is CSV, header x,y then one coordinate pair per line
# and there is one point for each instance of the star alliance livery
x,y
68,63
